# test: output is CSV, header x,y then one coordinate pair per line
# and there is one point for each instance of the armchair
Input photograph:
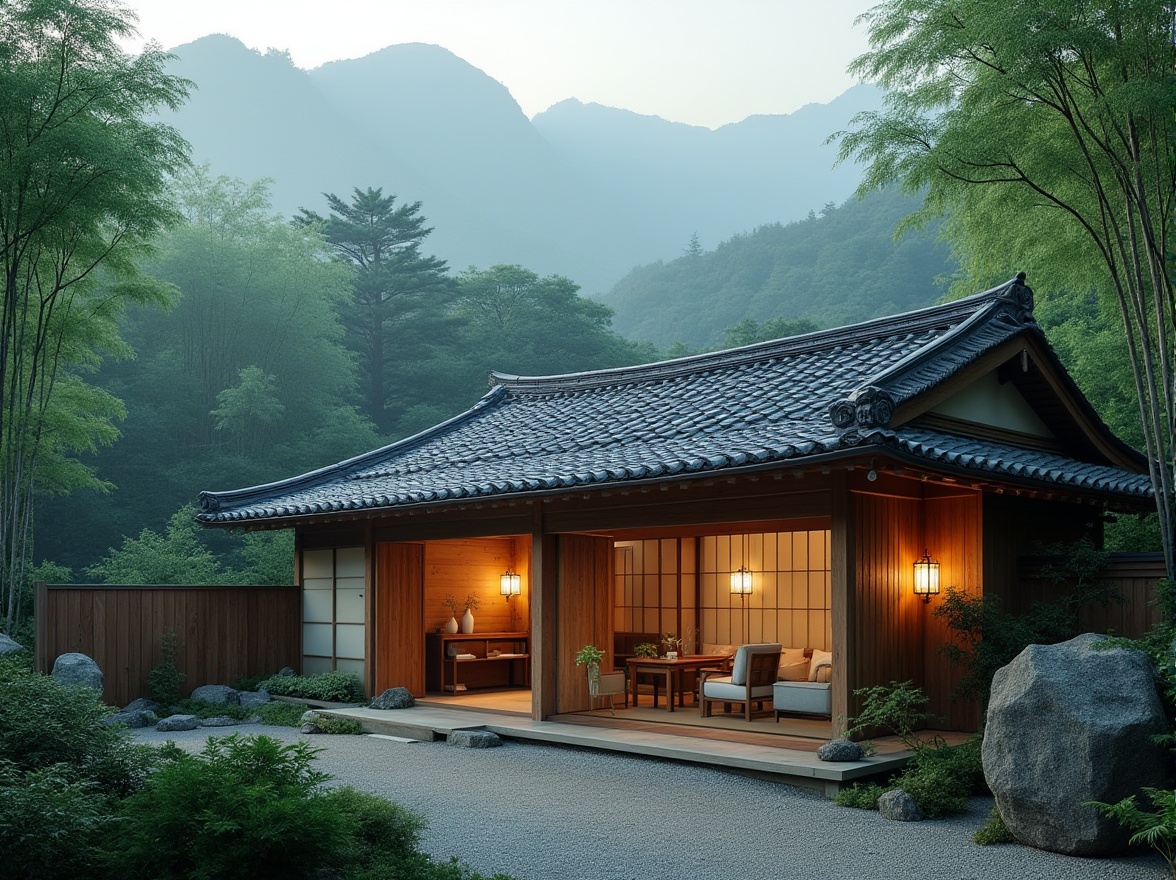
x,y
753,672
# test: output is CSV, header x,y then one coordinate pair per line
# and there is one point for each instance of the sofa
x,y
804,685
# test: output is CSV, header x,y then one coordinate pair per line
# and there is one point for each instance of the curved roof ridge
x,y
211,501
970,309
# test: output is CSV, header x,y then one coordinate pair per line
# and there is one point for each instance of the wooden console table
x,y
500,659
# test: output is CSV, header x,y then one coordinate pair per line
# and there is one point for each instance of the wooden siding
x,y
222,633
584,613
399,618
475,565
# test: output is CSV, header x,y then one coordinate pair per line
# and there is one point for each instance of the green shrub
x,y
335,724
330,687
940,778
860,795
164,679
994,831
383,840
284,714
43,723
50,823
898,707
246,807
1157,830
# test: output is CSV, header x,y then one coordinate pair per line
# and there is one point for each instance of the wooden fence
x,y
222,633
1135,575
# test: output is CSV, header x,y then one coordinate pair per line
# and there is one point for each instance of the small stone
x,y
899,806
217,693
133,718
309,716
474,739
310,728
286,672
394,698
142,705
178,722
253,719
841,750
219,721
254,698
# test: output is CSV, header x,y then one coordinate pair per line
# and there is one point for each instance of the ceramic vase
x,y
467,622
451,626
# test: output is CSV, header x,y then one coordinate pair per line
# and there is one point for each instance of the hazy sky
x,y
705,62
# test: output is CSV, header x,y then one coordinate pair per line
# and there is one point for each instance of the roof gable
x,y
988,402
827,393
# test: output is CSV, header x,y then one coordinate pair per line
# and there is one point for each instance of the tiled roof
x,y
825,392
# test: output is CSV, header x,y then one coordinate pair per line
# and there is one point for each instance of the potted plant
x,y
646,649
591,657
673,645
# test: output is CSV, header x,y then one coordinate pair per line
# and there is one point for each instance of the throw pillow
x,y
794,666
820,658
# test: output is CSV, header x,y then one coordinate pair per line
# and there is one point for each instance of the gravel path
x,y
550,813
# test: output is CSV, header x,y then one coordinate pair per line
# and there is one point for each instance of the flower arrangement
x,y
645,649
672,642
454,605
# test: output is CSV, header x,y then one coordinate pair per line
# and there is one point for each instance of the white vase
x,y
451,625
467,622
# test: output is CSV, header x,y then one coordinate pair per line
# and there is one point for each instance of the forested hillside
x,y
840,266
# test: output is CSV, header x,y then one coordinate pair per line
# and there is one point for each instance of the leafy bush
x,y
278,712
860,795
50,823
994,831
43,723
330,687
284,714
165,678
941,777
898,707
335,724
384,837
246,807
1157,830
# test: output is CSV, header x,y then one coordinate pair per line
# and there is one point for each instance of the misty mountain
x,y
581,190
837,267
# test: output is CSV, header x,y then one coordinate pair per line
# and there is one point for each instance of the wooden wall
x,y
584,614
474,565
222,633
399,643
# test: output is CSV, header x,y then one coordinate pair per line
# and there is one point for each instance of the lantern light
x,y
926,577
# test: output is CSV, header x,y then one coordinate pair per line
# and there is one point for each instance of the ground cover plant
x,y
330,687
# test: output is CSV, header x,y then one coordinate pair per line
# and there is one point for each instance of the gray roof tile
x,y
755,405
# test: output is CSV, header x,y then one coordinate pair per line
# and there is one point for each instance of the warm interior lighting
x,y
926,577
741,582
510,584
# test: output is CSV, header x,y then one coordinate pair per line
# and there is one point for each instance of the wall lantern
x,y
741,581
510,584
926,577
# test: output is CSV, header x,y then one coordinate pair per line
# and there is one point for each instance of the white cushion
x,y
820,658
721,688
802,696
794,666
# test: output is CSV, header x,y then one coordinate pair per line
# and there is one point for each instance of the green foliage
x,y
176,557
82,192
841,267
645,649
994,831
860,795
749,331
50,823
898,707
336,725
1157,830
384,837
589,655
165,678
990,638
281,713
246,807
331,687
1080,198
45,724
940,778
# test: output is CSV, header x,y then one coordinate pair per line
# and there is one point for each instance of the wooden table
x,y
672,671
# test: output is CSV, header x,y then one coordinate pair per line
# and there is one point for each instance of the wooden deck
x,y
783,756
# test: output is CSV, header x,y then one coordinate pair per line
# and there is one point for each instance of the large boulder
x,y
9,646
1069,724
394,698
178,722
78,670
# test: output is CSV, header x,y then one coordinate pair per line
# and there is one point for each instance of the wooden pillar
x,y
372,628
544,607
843,601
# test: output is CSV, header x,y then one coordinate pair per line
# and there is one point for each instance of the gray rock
x,y
9,646
142,705
254,698
253,719
899,806
310,728
286,671
394,698
133,718
217,693
841,750
309,716
178,722
219,721
78,670
474,739
1068,724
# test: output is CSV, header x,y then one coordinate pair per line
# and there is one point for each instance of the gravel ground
x,y
544,812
